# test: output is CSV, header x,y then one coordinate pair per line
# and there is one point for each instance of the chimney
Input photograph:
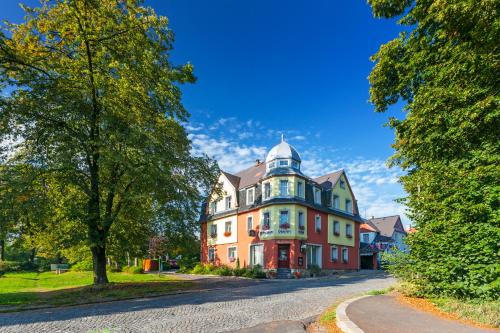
x,y
257,162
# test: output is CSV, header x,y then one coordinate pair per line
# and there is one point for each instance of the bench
x,y
59,268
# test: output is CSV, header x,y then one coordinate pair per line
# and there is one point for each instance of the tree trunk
x,y
2,250
136,262
99,259
128,259
31,259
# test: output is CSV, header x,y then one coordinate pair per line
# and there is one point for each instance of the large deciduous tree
x,y
94,101
445,68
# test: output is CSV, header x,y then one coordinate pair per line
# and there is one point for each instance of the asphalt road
x,y
224,304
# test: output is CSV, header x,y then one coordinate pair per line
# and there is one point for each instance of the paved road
x,y
227,305
382,314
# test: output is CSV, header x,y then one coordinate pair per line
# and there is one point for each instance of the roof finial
x,y
282,137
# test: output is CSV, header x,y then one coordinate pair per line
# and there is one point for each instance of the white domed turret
x,y
283,155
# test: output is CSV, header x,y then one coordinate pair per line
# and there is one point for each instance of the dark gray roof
x,y
235,180
387,225
329,180
284,171
251,175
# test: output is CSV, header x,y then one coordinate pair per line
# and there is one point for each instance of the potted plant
x,y
266,227
297,274
227,233
285,226
302,228
213,235
318,230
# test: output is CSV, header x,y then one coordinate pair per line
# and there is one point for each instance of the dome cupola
x,y
283,155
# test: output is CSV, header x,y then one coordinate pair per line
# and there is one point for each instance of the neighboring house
x,y
378,235
273,215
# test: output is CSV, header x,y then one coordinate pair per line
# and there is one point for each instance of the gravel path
x,y
222,307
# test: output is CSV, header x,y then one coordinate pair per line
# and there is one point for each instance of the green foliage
x,y
445,69
17,266
315,270
94,106
223,271
253,273
82,266
133,270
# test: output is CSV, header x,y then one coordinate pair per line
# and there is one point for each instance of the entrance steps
x,y
284,273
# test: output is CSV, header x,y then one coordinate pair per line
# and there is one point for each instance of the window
x,y
267,190
213,207
284,222
257,255
336,228
336,201
295,164
334,253
345,255
228,202
231,253
272,165
366,238
313,255
211,254
300,189
227,228
317,196
267,221
302,226
250,196
348,230
213,230
284,163
249,223
317,223
342,184
283,187
348,205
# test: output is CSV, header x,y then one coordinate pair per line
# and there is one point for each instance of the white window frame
x,y
211,249
301,221
283,163
334,250
213,229
287,217
335,232
335,201
265,195
250,190
230,224
345,259
228,202
319,254
235,252
250,254
284,181
317,219
295,165
317,195
250,219
300,189
348,205
268,219
348,227
213,207
366,238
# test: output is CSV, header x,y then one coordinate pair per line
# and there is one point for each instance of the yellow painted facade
x,y
293,213
342,194
341,239
292,185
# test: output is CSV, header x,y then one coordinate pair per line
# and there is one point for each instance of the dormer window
x,y
271,165
250,196
228,202
317,196
348,205
295,165
283,163
213,207
267,190
336,201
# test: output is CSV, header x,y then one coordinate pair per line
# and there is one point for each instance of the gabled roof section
x,y
329,180
234,180
387,225
365,227
251,175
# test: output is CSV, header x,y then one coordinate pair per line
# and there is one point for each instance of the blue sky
x,y
293,67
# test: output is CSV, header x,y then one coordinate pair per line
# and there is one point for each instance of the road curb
x,y
343,321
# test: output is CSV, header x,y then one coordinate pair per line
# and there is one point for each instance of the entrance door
x,y
284,256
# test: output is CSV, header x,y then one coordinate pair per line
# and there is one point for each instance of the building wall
x,y
244,240
221,239
341,239
292,185
343,194
227,190
275,232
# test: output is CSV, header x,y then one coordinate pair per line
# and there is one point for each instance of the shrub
x,y
255,272
223,271
113,268
198,269
209,268
83,266
315,270
133,270
239,271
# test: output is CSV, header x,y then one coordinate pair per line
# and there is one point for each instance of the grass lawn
x,y
29,289
483,312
